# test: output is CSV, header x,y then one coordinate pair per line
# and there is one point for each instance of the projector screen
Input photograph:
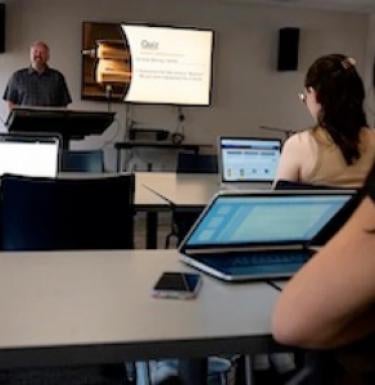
x,y
168,65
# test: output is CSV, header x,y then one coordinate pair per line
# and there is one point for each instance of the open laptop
x,y
29,155
248,163
263,235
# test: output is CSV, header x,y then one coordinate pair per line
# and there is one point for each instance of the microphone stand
x,y
108,95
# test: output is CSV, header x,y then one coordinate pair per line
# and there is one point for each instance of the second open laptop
x,y
36,156
248,163
263,235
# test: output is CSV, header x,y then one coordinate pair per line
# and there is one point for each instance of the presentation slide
x,y
169,65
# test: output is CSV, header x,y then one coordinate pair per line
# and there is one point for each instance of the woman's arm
x,y
290,161
330,301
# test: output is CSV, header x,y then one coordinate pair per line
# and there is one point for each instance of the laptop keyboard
x,y
262,258
270,259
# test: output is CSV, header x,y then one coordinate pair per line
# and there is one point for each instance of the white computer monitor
x,y
248,159
29,156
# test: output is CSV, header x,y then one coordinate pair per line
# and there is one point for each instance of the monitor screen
x,y
168,65
249,159
29,157
265,219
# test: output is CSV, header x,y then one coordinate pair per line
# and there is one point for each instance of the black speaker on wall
x,y
288,49
2,27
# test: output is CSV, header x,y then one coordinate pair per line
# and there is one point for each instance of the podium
x,y
69,124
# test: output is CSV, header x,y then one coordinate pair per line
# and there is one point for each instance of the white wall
x,y
248,91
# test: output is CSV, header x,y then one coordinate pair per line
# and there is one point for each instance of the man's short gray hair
x,y
40,43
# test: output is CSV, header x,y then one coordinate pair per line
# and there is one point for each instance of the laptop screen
x,y
249,159
252,219
29,156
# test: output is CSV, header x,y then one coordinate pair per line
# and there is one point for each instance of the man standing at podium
x,y
37,85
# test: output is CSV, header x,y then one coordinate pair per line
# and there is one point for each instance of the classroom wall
x,y
248,91
370,71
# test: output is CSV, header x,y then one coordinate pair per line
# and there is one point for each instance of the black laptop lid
x,y
238,220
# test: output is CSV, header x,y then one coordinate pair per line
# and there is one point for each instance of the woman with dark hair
x,y
340,149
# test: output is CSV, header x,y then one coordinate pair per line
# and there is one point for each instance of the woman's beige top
x,y
312,157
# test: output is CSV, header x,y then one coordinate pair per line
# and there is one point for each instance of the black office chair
x,y
183,219
317,368
82,161
62,214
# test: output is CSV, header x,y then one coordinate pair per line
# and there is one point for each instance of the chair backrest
x,y
82,161
196,163
67,214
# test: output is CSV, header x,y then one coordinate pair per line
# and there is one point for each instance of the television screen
x,y
168,65
105,67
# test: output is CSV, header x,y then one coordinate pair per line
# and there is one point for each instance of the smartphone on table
x,y
177,285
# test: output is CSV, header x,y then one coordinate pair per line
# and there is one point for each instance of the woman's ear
x,y
313,93
310,90
312,102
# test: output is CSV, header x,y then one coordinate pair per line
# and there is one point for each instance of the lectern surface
x,y
71,124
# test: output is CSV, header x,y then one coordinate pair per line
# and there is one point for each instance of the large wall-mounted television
x,y
148,64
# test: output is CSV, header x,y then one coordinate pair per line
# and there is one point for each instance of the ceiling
x,y
343,5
